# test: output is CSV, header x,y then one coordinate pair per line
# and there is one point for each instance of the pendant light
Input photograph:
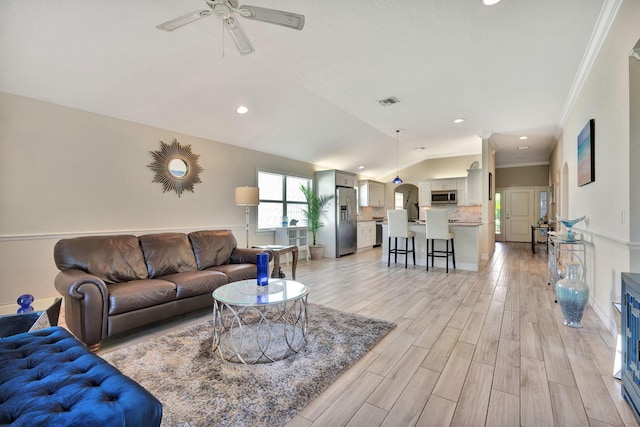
x,y
397,179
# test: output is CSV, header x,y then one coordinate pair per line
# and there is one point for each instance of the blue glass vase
x,y
24,301
263,269
572,295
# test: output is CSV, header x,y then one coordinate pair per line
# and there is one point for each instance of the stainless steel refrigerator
x,y
339,234
346,227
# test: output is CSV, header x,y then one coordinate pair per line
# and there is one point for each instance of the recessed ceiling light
x,y
460,120
361,167
490,2
523,147
524,137
419,148
242,109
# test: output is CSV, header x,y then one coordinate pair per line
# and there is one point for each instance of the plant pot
x,y
316,251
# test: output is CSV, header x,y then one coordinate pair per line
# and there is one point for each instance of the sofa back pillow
x,y
212,247
167,253
112,258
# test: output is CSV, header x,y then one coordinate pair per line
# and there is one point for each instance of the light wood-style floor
x,y
470,349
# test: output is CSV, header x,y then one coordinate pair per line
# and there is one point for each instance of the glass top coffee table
x,y
259,324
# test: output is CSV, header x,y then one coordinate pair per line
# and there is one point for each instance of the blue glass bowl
x,y
571,222
568,223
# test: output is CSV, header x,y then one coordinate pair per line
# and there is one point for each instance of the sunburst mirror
x,y
176,167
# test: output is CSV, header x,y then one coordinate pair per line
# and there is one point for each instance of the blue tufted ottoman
x,y
48,378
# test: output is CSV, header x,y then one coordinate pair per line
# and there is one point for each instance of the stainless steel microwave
x,y
443,197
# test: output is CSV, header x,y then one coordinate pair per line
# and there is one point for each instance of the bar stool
x,y
398,225
438,229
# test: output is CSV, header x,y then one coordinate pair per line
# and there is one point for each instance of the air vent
x,y
388,101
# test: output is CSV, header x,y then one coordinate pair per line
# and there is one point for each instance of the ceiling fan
x,y
224,9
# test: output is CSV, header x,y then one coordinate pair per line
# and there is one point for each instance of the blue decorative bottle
x,y
572,295
24,301
263,269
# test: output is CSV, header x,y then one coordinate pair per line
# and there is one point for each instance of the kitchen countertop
x,y
467,243
457,223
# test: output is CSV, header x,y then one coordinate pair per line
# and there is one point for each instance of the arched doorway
x,y
406,195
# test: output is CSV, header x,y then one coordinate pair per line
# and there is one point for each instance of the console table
x,y
562,251
545,227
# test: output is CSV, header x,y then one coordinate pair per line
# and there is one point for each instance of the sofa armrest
x,y
86,302
248,255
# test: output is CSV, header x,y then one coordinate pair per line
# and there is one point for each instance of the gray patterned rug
x,y
198,389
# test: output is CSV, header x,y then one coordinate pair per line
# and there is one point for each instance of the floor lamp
x,y
247,196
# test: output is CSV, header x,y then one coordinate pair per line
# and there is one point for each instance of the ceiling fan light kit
x,y
224,9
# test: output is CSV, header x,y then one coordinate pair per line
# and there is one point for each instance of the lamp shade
x,y
247,196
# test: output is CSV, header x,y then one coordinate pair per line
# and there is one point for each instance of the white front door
x,y
519,215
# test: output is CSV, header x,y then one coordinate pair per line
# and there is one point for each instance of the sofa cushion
x,y
111,258
167,253
237,272
212,247
137,294
194,283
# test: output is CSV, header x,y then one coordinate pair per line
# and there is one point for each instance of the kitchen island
x,y
466,241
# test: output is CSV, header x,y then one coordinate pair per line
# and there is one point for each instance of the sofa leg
x,y
95,347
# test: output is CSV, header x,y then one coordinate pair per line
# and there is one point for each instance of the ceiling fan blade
x,y
239,37
180,21
272,16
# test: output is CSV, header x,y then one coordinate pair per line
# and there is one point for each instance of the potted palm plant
x,y
315,207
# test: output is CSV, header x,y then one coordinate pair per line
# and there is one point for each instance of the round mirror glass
x,y
178,168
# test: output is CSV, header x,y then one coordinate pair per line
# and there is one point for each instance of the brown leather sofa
x,y
115,284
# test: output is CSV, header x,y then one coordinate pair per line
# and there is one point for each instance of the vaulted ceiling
x,y
312,95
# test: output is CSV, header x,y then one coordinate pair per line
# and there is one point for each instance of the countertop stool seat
x,y
438,229
398,226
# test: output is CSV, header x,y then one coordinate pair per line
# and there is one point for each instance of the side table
x,y
278,250
45,314
545,227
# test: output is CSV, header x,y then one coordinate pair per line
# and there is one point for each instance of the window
x,y
280,199
399,200
543,204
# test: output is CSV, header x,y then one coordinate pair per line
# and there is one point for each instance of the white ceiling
x,y
312,94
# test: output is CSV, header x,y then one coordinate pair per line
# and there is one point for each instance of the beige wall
x,y
65,172
606,202
524,176
449,167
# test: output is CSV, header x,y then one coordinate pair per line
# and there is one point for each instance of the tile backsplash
x,y
460,213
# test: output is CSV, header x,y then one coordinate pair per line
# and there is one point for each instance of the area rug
x,y
198,389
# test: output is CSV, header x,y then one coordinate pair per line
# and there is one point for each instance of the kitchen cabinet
x,y
298,236
345,180
366,234
424,190
474,187
443,184
371,193
461,191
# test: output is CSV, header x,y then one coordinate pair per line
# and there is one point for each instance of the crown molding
x,y
603,24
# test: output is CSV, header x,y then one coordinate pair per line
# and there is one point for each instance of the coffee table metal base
x,y
259,334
